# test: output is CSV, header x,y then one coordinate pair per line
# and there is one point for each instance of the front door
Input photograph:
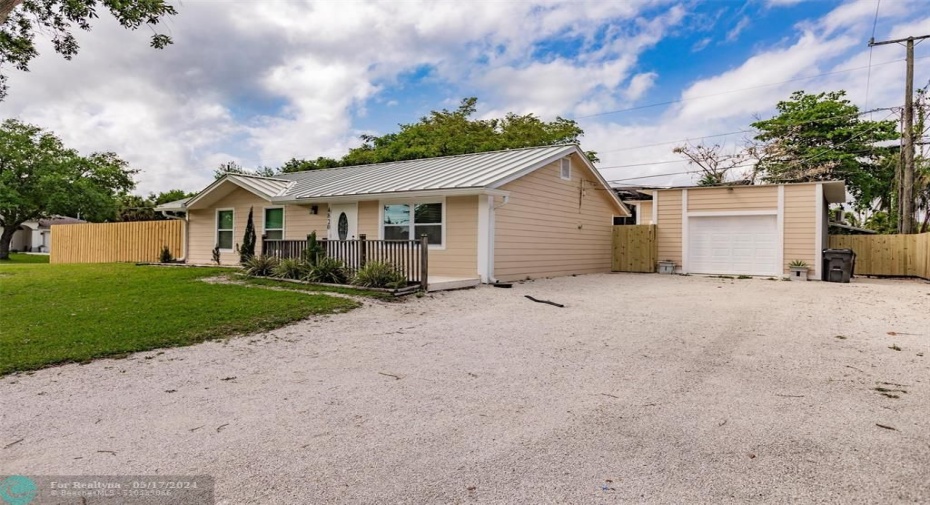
x,y
343,221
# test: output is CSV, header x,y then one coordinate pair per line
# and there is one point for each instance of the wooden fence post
x,y
424,262
362,250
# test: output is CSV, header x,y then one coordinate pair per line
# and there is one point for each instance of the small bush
x,y
216,255
290,268
328,270
261,265
314,251
379,275
165,256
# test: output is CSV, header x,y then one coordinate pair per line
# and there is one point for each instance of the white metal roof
x,y
460,174
480,170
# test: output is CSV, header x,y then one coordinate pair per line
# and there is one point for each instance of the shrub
x,y
379,275
328,270
216,254
165,256
314,251
290,268
260,265
247,251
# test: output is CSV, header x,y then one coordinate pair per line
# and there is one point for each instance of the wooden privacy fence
x,y
891,255
410,257
115,242
635,248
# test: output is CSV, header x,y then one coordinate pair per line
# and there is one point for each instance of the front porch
x,y
410,257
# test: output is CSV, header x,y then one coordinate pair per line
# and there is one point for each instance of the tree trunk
x,y
6,7
5,238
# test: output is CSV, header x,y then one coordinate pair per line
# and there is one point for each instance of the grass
x,y
72,313
16,258
268,282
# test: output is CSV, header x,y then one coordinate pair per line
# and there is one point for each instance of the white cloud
x,y
261,82
741,25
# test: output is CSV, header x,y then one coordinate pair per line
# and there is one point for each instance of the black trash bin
x,y
838,265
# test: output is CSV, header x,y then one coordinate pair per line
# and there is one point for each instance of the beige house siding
x,y
736,199
552,227
298,223
368,215
644,212
668,232
459,257
800,224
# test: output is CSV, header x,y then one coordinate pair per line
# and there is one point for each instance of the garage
x,y
735,245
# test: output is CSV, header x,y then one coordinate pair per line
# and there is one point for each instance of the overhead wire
x,y
685,99
663,162
802,160
868,79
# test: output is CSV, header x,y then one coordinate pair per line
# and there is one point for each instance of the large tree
x,y
817,137
441,133
20,19
40,177
445,133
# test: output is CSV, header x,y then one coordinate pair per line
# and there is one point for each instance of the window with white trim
x,y
274,223
224,229
409,221
565,171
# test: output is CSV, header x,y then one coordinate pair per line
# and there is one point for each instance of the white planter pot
x,y
799,273
666,267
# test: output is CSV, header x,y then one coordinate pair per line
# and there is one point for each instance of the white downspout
x,y
184,240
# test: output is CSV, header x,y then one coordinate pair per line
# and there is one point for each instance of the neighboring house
x,y
36,236
750,230
503,215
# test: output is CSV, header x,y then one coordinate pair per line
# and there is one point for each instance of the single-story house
x,y
748,230
36,235
494,216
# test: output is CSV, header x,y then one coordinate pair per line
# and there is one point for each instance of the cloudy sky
x,y
261,82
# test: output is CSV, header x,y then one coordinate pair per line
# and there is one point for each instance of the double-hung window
x,y
409,221
274,223
224,229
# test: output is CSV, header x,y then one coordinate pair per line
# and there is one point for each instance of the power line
x,y
802,160
679,100
868,79
675,141
664,162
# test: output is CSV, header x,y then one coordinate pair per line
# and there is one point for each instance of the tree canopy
x,y
40,177
141,208
441,133
817,137
20,19
446,133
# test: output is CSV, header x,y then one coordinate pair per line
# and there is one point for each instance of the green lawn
x,y
53,314
16,258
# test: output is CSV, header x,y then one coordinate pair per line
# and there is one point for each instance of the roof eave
x,y
191,204
425,193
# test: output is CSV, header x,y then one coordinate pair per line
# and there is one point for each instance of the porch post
x,y
424,262
362,250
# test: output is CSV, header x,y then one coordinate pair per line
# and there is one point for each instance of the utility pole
x,y
906,179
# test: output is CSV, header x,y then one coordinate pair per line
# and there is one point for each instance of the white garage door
x,y
736,245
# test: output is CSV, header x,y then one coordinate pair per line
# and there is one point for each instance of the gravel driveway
x,y
643,388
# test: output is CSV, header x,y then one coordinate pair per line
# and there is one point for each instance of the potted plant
x,y
666,266
798,270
